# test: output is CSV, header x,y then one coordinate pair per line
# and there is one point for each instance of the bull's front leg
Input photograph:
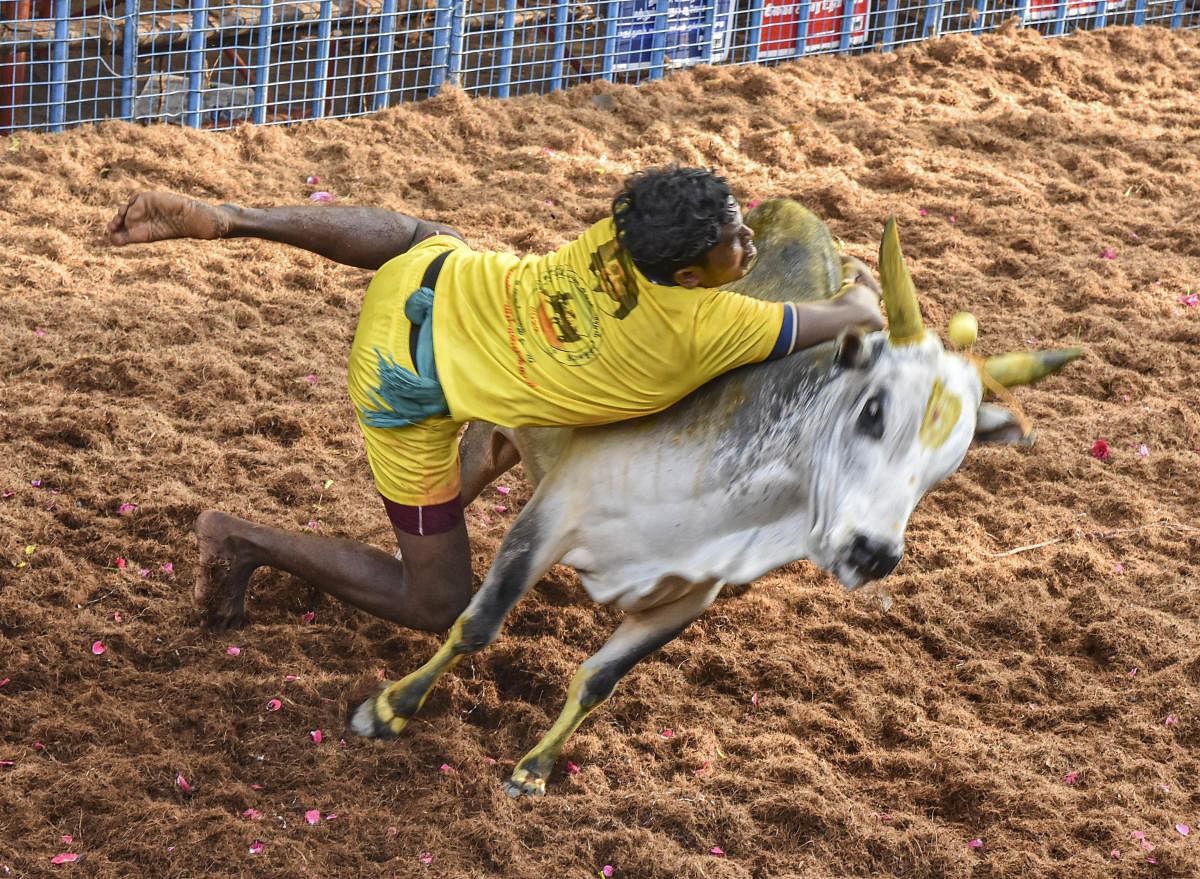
x,y
521,560
639,635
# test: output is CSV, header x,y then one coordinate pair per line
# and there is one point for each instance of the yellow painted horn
x,y
1026,367
905,326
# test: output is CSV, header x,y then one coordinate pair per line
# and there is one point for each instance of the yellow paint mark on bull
x,y
941,414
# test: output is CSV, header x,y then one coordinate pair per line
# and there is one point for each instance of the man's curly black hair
x,y
669,218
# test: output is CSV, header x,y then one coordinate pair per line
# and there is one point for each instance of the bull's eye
x,y
870,419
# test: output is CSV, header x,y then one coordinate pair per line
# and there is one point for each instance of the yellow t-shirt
x,y
579,336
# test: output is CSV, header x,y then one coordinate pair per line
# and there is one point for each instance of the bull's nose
x,y
872,559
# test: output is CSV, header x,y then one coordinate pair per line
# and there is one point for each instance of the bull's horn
x,y
1026,367
899,295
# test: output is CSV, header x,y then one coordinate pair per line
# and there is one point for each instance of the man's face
x,y
730,257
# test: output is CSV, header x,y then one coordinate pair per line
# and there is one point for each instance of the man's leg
x,y
426,590
356,236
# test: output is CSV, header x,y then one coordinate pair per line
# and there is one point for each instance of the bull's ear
x,y
851,349
995,424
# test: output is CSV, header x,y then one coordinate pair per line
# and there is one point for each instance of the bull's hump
x,y
797,259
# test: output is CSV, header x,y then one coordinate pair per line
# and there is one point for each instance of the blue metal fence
x,y
212,63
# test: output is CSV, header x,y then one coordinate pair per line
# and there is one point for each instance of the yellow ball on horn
x,y
964,329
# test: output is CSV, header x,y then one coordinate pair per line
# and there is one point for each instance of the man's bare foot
x,y
220,591
156,216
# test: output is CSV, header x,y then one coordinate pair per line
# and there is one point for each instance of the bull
x,y
821,455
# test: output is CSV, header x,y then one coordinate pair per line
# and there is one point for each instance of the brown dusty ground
x,y
1035,686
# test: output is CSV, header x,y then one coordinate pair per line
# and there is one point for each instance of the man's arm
x,y
356,236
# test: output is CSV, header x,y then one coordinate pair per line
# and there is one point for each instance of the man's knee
x,y
437,572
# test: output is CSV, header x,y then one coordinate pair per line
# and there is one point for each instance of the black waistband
x,y
429,279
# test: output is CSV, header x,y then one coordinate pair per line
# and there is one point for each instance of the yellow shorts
x,y
416,465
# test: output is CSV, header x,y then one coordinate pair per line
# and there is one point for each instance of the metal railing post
x,y
195,63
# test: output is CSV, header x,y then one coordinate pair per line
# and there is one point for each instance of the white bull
x,y
821,455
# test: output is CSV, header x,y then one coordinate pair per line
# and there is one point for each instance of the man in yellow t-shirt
x,y
623,321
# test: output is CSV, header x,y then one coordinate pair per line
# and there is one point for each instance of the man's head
x,y
683,226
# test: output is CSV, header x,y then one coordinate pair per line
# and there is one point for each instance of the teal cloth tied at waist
x,y
409,396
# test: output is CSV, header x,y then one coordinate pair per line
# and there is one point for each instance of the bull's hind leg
x,y
639,635
522,559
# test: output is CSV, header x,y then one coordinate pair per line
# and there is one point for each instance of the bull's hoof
x,y
524,784
367,722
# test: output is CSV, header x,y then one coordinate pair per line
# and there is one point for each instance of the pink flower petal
x,y
1183,829
316,736
121,563
313,816
321,196
446,767
426,857
126,508
117,616
717,850
1170,717
252,814
572,768
754,700
5,681
313,180
1115,853
1142,451
64,858
183,785
309,616
255,847
923,212
503,489
975,843
1108,253
1071,777
1100,450
97,647
1190,301
67,840
39,332
704,768
167,568
667,733
233,651
607,871
500,509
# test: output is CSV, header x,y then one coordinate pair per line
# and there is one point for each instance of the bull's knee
x,y
597,686
477,633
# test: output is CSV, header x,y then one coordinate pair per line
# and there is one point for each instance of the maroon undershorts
x,y
435,519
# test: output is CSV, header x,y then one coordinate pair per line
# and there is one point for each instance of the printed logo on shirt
x,y
559,318
615,277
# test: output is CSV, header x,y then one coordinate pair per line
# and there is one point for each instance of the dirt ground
x,y
1030,706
